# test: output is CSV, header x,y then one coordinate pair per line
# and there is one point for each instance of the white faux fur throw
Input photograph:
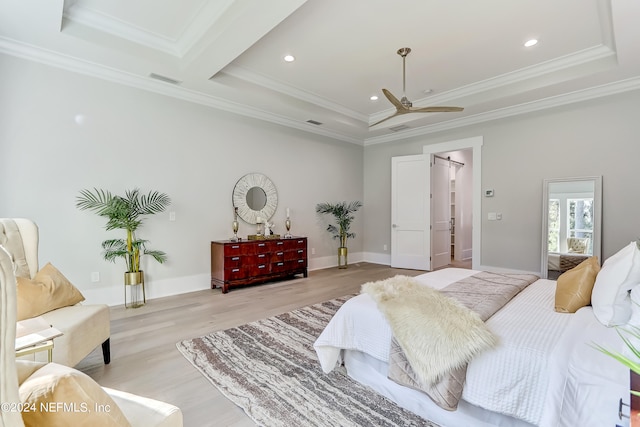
x,y
436,333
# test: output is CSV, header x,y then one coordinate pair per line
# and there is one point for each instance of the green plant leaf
x,y
125,213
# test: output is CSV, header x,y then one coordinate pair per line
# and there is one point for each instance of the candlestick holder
x,y
287,225
235,226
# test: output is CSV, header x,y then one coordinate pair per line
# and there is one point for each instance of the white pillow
x,y
619,274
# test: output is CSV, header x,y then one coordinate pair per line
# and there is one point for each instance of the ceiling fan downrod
x,y
404,51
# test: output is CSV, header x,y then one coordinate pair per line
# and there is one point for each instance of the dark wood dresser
x,y
256,261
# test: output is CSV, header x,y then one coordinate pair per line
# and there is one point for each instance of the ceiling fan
x,y
404,106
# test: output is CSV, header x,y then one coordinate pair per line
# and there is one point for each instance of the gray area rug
x,y
269,368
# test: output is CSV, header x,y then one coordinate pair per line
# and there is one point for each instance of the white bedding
x,y
543,371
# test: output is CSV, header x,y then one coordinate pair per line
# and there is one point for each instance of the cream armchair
x,y
20,378
84,326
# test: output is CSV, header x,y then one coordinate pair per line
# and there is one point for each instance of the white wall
x,y
597,137
131,138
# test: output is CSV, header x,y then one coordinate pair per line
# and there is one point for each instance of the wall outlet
x,y
172,216
313,251
384,247
95,276
492,216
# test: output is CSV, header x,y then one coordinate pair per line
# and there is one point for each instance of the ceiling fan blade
x,y
397,113
435,109
393,100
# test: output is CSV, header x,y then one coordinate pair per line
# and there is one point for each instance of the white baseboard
x,y
114,295
320,263
377,258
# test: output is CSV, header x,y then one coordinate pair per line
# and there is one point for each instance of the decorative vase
x,y
342,257
134,282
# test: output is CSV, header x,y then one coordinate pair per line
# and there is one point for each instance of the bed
x,y
544,371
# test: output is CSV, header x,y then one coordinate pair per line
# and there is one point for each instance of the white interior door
x,y
410,245
440,213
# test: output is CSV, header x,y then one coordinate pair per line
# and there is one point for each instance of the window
x,y
581,220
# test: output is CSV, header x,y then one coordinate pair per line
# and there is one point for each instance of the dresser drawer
x,y
262,258
236,249
296,264
258,269
261,247
235,273
278,267
233,261
277,245
295,254
277,256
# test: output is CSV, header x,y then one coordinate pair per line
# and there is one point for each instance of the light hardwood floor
x,y
144,357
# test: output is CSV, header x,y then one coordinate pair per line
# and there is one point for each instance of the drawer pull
x,y
235,247
280,253
262,244
235,258
280,264
261,255
621,415
279,243
300,260
262,266
300,251
300,241
235,270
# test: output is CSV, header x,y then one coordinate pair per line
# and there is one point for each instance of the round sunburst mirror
x,y
255,197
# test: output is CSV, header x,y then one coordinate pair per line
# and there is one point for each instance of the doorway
x,y
452,209
411,211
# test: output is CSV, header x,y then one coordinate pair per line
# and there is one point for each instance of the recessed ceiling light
x,y
531,42
374,97
289,58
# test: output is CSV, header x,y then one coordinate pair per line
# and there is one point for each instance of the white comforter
x,y
544,370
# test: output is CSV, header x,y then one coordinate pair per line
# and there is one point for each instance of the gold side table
x,y
45,345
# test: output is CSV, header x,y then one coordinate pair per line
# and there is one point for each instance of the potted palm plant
x,y
125,213
343,214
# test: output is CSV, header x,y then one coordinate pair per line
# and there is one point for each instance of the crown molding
x,y
107,24
68,63
72,64
264,81
557,65
542,104
202,21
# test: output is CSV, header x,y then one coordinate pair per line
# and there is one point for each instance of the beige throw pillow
x,y
574,287
56,395
45,292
